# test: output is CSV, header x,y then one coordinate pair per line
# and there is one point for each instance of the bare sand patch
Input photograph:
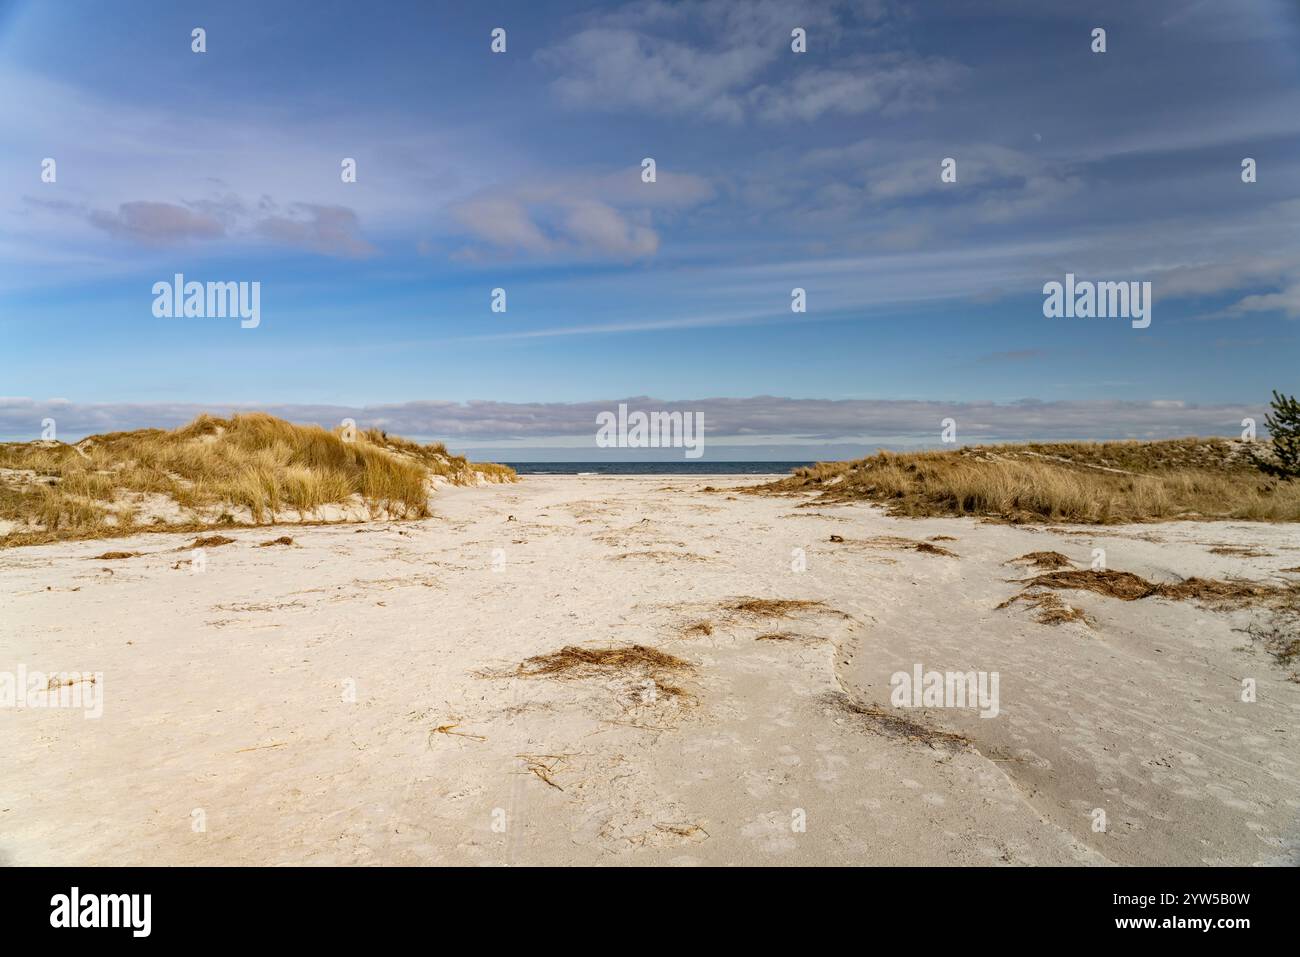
x,y
326,703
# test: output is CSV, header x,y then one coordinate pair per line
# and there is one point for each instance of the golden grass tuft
x,y
1129,587
628,662
897,541
1122,585
254,461
771,607
1049,560
1240,551
210,541
1050,609
494,472
577,662
544,766
1089,483
1126,586
1283,601
935,550
450,729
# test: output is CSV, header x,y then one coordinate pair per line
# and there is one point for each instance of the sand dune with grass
x,y
1100,482
248,469
497,684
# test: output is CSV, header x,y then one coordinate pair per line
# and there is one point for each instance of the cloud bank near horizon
x,y
735,422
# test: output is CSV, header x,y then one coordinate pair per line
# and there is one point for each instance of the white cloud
x,y
594,225
210,173
327,230
157,223
722,73
612,69
604,216
886,83
1287,301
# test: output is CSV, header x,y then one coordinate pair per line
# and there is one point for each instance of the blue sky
x,y
522,171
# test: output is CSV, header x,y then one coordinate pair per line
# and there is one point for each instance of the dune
x,y
250,469
1086,482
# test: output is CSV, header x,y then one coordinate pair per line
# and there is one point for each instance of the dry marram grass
x,y
1095,483
253,463
1050,560
771,607
1129,587
1049,608
892,723
619,661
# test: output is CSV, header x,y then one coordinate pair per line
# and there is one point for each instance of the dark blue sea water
x,y
654,468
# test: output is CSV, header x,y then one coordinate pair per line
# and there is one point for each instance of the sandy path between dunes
x,y
287,699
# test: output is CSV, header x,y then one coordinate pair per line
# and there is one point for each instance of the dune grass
x,y
209,470
1127,586
631,662
572,660
1091,483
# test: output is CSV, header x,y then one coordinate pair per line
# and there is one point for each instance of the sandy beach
x,y
357,696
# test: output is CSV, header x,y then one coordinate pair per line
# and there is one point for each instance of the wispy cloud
x,y
883,83
638,59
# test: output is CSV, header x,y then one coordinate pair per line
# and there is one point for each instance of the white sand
x,y
225,693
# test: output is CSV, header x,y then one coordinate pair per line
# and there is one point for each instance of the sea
x,y
654,468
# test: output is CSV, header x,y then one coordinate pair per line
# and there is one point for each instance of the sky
x,y
522,171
